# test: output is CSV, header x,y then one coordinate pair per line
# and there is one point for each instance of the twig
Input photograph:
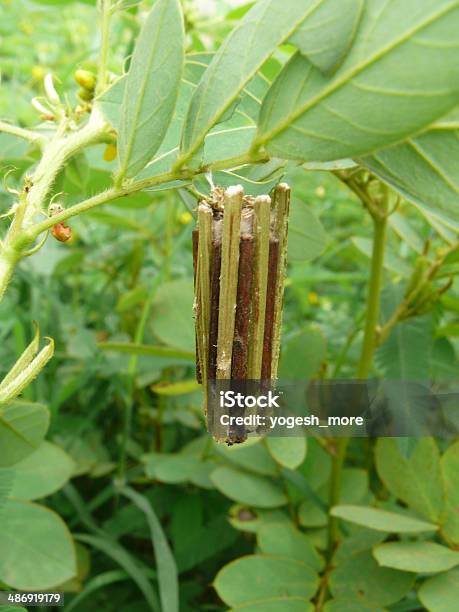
x,y
281,205
240,364
272,284
216,265
261,223
28,135
228,279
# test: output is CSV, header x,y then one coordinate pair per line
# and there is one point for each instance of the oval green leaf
x,y
421,557
152,87
289,452
248,488
23,426
284,540
382,520
401,75
256,577
440,593
248,46
41,473
37,549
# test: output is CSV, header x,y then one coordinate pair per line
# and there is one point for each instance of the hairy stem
x,y
28,135
32,200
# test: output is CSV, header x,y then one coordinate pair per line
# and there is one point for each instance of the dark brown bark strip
x,y
273,280
239,365
216,263
195,243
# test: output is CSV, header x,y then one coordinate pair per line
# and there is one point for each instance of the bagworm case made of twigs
x,y
239,253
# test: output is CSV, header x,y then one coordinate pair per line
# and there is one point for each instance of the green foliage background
x,y
243,528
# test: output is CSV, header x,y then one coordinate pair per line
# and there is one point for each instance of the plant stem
x,y
59,151
335,492
32,202
379,216
228,279
28,135
7,265
261,221
374,295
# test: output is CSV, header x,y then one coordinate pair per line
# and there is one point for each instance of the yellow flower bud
x,y
85,79
185,217
110,152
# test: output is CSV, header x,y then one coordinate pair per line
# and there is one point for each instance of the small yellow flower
x,y
320,191
38,73
185,218
110,152
313,298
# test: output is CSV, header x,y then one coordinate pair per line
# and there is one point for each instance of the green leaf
x,y
307,238
381,520
184,387
244,51
37,550
425,170
41,473
152,86
172,468
450,470
94,584
350,605
335,22
392,262
165,562
172,314
359,577
400,75
421,557
252,456
276,604
405,355
311,515
440,593
23,426
284,540
302,355
116,552
248,488
415,480
289,452
255,578
405,231
147,350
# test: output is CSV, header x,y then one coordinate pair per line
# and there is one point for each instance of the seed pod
x,y
85,79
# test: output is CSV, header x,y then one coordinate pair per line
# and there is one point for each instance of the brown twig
x,y
273,280
239,366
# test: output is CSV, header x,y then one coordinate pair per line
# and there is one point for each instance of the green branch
x,y
28,135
